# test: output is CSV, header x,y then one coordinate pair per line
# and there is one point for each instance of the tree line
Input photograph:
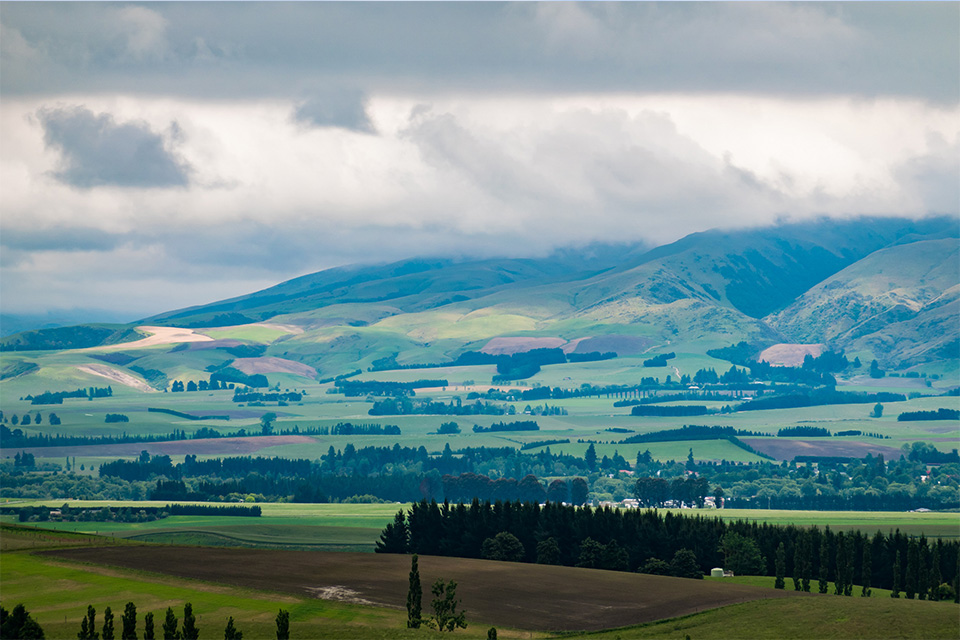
x,y
628,539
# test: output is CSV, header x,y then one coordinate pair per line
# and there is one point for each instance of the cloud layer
x,y
171,154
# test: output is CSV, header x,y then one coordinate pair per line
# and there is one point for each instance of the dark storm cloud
x,y
96,150
192,49
59,239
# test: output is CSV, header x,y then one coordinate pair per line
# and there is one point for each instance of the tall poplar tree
x,y
896,577
128,622
781,566
414,596
797,561
107,624
824,577
867,569
913,561
148,627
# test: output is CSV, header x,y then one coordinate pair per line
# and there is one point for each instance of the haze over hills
x,y
886,288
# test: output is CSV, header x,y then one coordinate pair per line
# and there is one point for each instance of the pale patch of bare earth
x,y
158,336
790,355
116,375
268,364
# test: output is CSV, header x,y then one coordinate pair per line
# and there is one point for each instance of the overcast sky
x,y
155,156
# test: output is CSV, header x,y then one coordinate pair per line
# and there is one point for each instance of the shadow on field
x,y
523,596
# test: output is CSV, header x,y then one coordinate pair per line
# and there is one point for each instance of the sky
x,y
161,155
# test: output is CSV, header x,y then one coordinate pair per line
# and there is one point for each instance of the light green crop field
x,y
357,526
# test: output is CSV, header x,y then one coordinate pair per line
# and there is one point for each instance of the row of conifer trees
x,y
629,539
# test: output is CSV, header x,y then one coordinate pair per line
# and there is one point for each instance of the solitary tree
x,y
230,632
548,551
283,625
128,622
107,624
781,566
414,596
590,457
504,546
877,411
445,615
190,630
18,625
492,633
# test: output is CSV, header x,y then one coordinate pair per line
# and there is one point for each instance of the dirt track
x,y
518,595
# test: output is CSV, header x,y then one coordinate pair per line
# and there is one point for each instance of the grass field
x,y
251,586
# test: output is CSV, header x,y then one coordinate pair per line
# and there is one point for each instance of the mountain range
x,y
887,288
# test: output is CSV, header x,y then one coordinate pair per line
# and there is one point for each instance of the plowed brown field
x,y
502,593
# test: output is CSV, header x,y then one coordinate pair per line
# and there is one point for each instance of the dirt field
x,y
498,346
784,449
501,593
204,446
622,345
268,364
790,355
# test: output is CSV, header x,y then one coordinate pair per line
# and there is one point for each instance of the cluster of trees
x,y
659,360
406,406
116,417
349,429
520,425
177,386
105,514
817,397
632,539
939,414
25,460
56,397
19,625
242,394
229,375
692,490
803,431
359,388
536,444
467,486
690,432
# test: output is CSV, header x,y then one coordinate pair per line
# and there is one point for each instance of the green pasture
x,y
57,593
826,617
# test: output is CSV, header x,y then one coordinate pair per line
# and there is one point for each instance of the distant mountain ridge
x,y
884,286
